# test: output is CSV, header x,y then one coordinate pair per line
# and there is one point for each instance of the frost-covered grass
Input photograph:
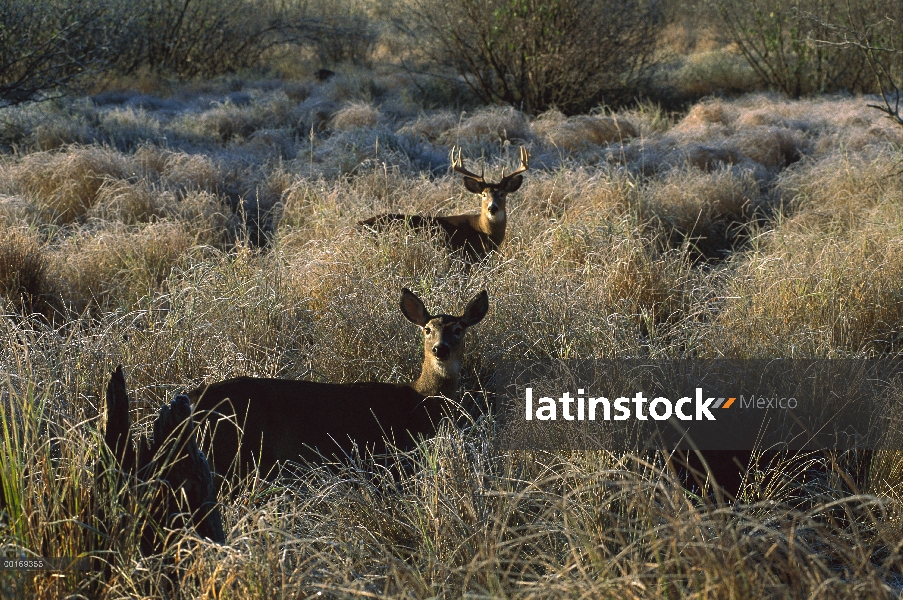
x,y
211,234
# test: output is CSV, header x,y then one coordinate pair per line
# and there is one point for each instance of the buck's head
x,y
443,337
493,195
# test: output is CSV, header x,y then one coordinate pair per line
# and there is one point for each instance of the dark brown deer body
x,y
476,234
282,420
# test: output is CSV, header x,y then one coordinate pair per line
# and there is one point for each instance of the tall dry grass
x,y
757,227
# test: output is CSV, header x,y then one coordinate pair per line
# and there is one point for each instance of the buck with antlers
x,y
263,422
476,234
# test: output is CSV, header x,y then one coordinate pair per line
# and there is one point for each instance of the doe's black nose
x,y
441,351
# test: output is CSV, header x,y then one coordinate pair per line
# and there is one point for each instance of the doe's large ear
x,y
512,185
413,309
476,309
474,186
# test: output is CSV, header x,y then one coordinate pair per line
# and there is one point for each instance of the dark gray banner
x,y
630,405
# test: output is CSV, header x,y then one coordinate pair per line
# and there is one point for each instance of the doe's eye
x,y
427,330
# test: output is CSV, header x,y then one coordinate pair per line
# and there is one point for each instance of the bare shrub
x,y
47,46
195,38
337,37
719,71
874,30
572,55
782,42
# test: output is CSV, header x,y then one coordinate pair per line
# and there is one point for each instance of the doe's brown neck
x,y
433,382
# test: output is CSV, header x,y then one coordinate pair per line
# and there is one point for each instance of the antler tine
x,y
458,165
524,164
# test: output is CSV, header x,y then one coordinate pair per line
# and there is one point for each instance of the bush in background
x,y
338,39
792,46
47,45
880,44
568,54
331,33
196,38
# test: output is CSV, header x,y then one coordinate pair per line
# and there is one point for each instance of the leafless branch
x,y
861,35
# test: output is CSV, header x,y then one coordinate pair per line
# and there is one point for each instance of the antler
x,y
458,165
524,165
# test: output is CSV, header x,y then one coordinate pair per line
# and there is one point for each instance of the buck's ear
x,y
512,185
474,186
476,309
413,309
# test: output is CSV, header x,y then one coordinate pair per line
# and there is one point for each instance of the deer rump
x,y
267,421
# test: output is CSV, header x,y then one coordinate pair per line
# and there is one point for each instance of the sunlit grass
x,y
757,227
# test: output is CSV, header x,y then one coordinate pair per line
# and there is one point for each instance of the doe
x,y
282,419
476,234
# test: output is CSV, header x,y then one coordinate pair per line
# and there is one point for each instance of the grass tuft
x,y
64,184
577,132
355,116
24,278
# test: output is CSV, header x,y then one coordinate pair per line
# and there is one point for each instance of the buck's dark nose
x,y
441,351
493,208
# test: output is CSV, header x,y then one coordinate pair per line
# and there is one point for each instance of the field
x,y
210,233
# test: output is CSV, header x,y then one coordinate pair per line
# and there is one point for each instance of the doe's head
x,y
443,335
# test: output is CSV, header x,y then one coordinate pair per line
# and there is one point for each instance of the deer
x,y
168,475
263,422
475,234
